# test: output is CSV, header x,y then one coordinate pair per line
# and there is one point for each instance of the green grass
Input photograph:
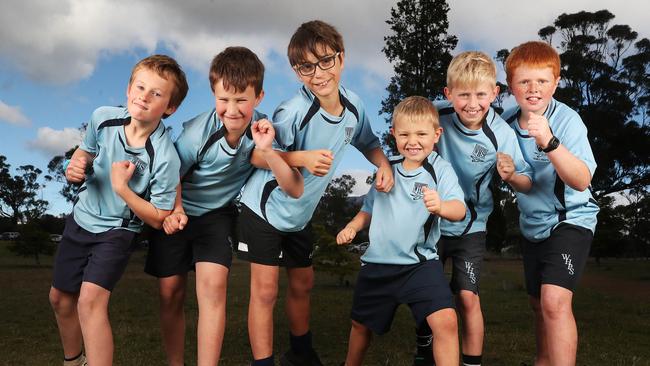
x,y
612,309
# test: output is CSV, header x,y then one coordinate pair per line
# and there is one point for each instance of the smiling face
x,y
323,83
472,103
415,139
533,88
148,96
235,109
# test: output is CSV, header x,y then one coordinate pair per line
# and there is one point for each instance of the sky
x,y
59,60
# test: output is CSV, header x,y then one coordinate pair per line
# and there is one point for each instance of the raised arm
x,y
359,222
384,179
289,179
121,173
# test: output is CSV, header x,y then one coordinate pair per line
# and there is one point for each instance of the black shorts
x,y
205,238
83,256
381,288
466,253
261,243
558,260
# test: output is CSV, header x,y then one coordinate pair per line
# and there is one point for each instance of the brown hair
x,y
416,109
166,67
312,37
468,69
533,54
238,68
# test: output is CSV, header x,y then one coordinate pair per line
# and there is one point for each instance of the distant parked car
x,y
10,235
358,248
55,238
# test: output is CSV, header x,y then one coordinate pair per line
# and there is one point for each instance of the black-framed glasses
x,y
325,63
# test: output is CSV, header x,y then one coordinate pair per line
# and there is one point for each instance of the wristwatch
x,y
552,144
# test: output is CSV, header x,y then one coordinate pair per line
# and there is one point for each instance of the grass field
x,y
612,308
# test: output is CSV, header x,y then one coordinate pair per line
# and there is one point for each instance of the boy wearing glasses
x,y
317,124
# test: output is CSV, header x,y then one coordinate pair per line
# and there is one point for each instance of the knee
x,y
212,289
61,303
443,323
87,305
171,296
468,302
554,306
265,293
301,285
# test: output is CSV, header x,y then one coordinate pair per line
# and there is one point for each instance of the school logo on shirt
x,y
349,131
417,193
140,165
479,153
540,156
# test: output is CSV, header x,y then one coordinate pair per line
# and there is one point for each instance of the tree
x,y
419,49
19,193
332,258
335,208
33,242
57,174
605,79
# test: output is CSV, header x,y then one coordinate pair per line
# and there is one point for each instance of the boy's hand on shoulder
x,y
505,166
121,173
174,222
345,236
539,129
318,162
384,179
432,200
76,170
263,134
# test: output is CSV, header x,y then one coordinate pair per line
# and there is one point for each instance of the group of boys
x,y
131,173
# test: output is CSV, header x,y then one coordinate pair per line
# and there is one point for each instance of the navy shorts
x,y
558,260
381,288
261,243
466,253
83,256
205,238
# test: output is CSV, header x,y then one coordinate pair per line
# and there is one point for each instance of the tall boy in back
x,y
401,263
475,141
215,148
129,169
558,216
275,228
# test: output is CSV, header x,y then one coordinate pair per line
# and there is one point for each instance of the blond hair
x,y
416,109
471,68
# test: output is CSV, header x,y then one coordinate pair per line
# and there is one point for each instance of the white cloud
x,y
53,142
72,35
13,115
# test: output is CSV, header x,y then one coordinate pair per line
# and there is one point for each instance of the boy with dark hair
x,y
558,216
129,170
478,144
215,149
401,263
275,229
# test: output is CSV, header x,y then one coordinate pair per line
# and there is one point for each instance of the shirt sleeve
x,y
574,138
364,138
89,142
187,151
448,187
164,181
510,146
285,123
369,200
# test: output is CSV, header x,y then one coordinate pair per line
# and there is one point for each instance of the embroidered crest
x,y
349,131
417,193
479,153
140,165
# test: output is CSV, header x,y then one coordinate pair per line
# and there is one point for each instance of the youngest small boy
x,y
401,263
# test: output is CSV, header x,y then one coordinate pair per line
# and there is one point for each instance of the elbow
x,y
296,192
581,186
